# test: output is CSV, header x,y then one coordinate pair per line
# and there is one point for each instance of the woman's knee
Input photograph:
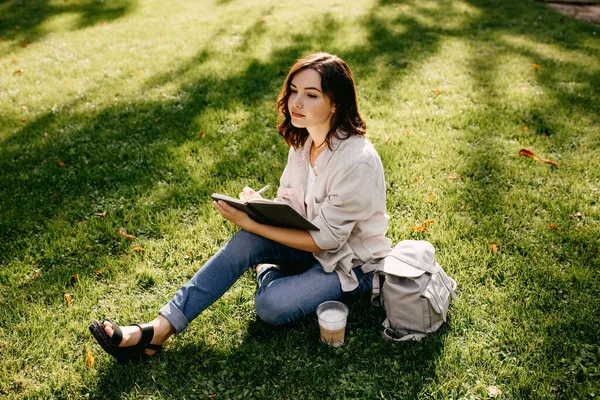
x,y
274,310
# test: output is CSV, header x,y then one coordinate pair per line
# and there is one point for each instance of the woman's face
x,y
309,107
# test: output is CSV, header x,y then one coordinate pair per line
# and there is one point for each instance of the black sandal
x,y
124,354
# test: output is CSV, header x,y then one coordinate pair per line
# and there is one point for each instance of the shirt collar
x,y
325,156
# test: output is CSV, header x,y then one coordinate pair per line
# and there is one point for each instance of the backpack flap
x,y
410,259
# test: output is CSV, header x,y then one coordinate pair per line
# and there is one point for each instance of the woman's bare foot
x,y
132,334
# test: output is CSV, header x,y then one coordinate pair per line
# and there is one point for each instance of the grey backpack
x,y
413,289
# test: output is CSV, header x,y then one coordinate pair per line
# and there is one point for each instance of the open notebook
x,y
269,212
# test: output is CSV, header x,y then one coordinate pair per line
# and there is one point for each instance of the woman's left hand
x,y
233,215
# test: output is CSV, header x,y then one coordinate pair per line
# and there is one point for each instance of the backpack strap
x,y
390,334
447,281
376,289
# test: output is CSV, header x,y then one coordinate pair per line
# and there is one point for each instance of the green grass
x,y
153,105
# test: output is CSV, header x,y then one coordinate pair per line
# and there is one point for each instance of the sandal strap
x,y
147,334
156,347
117,336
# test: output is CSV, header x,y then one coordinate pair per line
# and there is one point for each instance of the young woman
x,y
333,177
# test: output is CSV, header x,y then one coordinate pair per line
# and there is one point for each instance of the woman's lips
x,y
296,115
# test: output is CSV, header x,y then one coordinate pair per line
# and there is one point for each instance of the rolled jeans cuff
x,y
174,316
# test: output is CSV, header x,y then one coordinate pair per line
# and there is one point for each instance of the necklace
x,y
322,143
314,153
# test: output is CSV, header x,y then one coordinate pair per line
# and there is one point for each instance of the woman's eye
x,y
312,96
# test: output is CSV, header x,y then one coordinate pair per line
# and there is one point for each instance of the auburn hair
x,y
337,83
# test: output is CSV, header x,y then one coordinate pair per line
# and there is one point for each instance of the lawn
x,y
121,117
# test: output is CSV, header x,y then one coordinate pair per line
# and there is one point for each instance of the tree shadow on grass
x,y
22,21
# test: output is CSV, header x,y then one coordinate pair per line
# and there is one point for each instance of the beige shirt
x,y
347,204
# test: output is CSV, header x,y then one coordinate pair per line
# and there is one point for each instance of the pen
x,y
261,191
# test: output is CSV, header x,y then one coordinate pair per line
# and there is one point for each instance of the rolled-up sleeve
x,y
353,196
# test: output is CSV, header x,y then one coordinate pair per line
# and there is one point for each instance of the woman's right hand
x,y
248,194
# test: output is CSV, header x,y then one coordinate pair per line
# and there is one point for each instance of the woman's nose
x,y
296,102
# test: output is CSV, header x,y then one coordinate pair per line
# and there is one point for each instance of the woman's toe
x,y
108,328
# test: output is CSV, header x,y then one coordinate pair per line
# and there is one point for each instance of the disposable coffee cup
x,y
332,317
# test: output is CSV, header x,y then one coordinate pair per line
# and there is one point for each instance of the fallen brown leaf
x,y
24,44
98,272
430,197
14,60
387,139
202,134
190,253
101,215
123,233
138,249
455,176
417,178
36,275
69,299
89,360
536,67
62,163
418,228
525,129
18,72
429,222
381,67
162,94
530,154
494,248
436,92
553,227
74,279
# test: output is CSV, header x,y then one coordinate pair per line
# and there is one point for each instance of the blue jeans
x,y
283,295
